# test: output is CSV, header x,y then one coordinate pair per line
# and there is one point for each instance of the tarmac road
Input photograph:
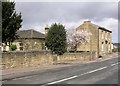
x,y
101,72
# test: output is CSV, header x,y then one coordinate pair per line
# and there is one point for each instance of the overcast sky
x,y
36,15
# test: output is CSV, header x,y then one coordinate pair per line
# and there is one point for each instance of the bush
x,y
116,49
13,47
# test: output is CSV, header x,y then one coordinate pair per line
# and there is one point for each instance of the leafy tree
x,y
11,22
0,22
56,39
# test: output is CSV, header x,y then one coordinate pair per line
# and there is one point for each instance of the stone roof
x,y
30,34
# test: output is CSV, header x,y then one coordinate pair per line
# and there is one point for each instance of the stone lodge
x,y
29,40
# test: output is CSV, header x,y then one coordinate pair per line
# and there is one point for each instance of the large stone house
x,y
29,40
100,40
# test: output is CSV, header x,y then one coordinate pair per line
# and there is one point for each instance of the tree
x,y
78,38
56,39
11,22
0,22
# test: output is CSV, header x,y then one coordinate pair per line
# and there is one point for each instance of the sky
x,y
36,15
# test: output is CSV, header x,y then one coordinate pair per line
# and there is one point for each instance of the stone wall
x,y
30,44
82,56
40,58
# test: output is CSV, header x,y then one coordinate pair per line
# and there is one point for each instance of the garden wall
x,y
40,58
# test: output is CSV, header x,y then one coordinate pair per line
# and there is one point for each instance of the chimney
x,y
87,21
46,29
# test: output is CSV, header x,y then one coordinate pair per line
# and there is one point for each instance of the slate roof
x,y
102,28
30,34
98,27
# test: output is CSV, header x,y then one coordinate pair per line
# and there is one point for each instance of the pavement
x,y
11,74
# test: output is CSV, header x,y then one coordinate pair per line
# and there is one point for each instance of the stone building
x,y
29,40
100,40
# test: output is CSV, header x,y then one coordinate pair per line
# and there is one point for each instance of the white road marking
x,y
69,77
54,82
97,70
62,80
115,64
93,71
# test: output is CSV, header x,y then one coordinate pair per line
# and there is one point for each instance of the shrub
x,y
116,49
13,47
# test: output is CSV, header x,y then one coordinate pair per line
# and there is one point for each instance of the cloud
x,y
65,0
69,11
37,14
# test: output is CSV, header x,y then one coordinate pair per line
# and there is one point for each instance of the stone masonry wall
x,y
40,58
30,44
93,43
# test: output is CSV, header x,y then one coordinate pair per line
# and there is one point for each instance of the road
x,y
101,72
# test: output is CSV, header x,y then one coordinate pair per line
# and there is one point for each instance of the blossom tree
x,y
78,38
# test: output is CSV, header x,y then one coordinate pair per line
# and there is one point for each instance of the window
x,y
21,48
106,41
102,35
21,44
